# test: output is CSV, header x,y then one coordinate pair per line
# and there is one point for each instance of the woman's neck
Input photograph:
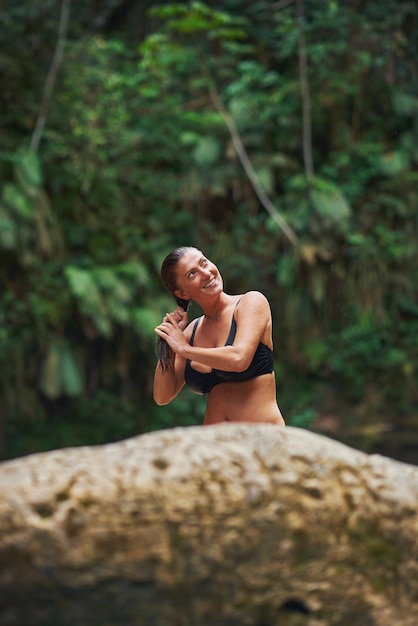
x,y
215,309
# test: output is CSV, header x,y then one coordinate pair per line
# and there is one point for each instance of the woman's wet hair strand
x,y
169,278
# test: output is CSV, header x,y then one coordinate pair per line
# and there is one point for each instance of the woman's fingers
x,y
174,321
171,332
178,316
164,326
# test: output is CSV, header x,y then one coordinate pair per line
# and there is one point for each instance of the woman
x,y
226,354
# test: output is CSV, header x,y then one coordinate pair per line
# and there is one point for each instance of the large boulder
x,y
229,525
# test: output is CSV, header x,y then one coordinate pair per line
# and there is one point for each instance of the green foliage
x,y
29,224
331,206
60,373
207,151
196,18
136,159
107,295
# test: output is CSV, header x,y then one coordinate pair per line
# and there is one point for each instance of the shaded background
x,y
281,138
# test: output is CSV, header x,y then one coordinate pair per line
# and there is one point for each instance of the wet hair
x,y
169,277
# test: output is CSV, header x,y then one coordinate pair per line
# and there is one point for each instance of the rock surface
x,y
229,525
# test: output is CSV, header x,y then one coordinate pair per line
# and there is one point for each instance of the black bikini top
x,y
203,382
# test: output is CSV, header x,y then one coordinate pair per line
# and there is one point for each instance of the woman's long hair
x,y
168,276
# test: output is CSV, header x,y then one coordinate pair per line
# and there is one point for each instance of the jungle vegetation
x,y
279,136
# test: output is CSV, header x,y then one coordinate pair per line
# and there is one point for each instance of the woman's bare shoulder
x,y
189,328
254,297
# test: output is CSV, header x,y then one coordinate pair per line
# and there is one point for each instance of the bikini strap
x,y
194,331
237,304
233,329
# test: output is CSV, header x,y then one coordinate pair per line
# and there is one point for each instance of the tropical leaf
x,y
17,201
60,373
118,310
29,166
50,381
71,376
139,272
393,163
91,302
265,178
81,282
207,151
330,204
286,270
145,320
405,103
316,350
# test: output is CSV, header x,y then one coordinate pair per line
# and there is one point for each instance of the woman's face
x,y
197,277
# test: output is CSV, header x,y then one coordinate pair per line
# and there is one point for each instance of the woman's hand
x,y
171,329
180,316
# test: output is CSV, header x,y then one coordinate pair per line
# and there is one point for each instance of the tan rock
x,y
227,525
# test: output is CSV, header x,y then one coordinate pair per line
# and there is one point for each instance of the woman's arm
x,y
252,316
168,384
169,381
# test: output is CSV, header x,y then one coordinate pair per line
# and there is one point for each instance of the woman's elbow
x,y
163,396
241,363
161,400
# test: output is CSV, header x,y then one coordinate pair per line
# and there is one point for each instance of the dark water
x,y
400,446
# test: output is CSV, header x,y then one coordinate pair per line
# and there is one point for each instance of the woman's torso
x,y
233,396
202,382
250,401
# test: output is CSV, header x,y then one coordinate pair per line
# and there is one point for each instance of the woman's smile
x,y
211,283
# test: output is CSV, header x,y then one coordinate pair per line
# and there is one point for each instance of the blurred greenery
x,y
136,158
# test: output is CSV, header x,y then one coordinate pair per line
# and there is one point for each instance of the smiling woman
x,y
226,354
